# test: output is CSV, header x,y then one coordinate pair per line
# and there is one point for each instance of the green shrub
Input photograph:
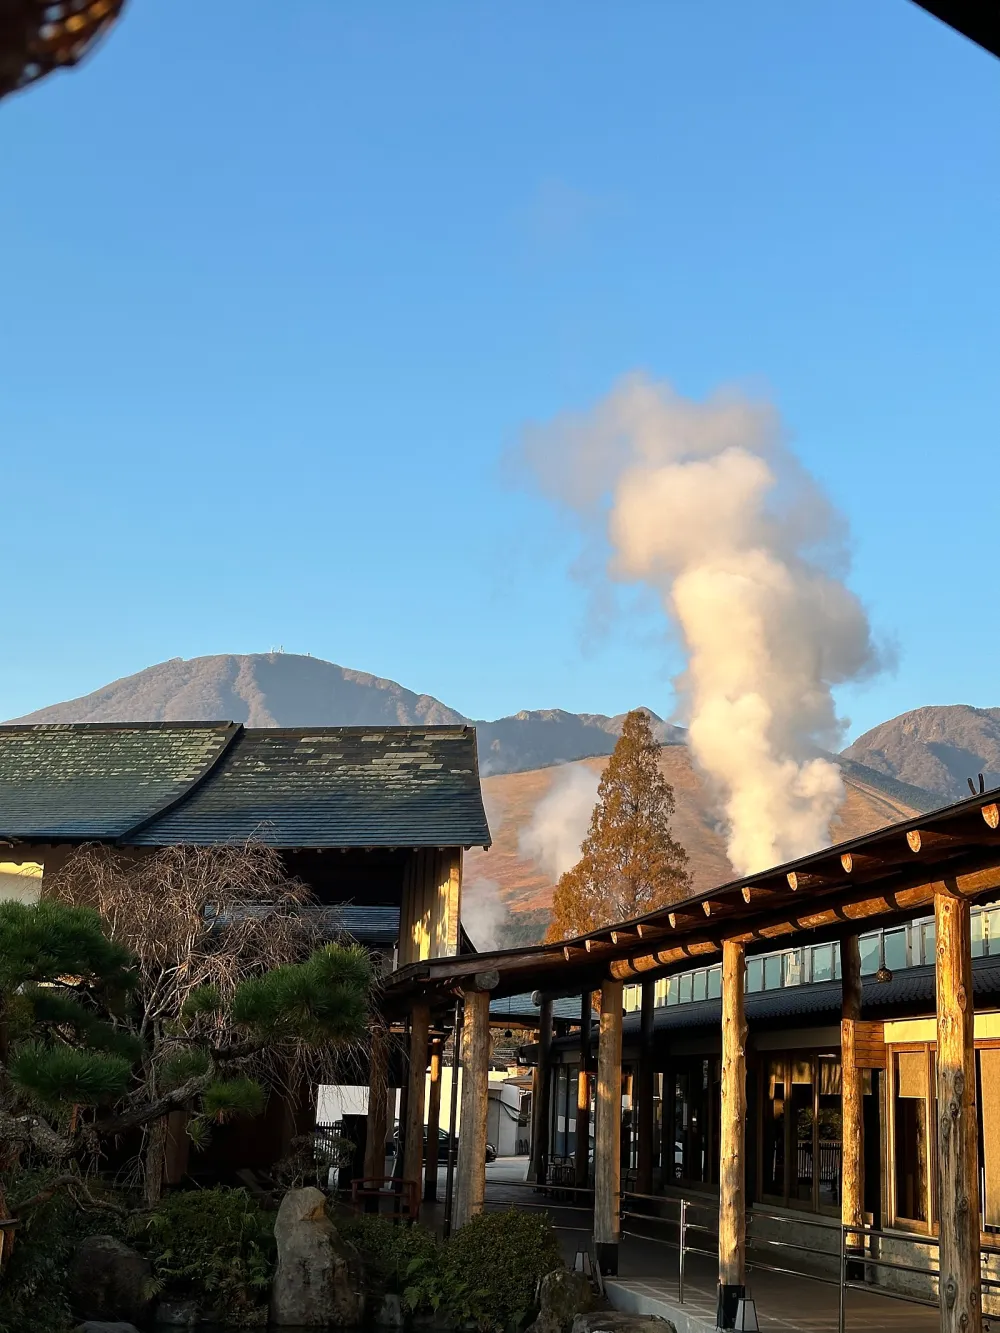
x,y
393,1254
493,1265
33,1296
215,1246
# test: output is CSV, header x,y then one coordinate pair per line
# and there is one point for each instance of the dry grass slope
x,y
511,799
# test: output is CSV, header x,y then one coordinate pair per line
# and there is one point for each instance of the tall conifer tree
x,y
630,862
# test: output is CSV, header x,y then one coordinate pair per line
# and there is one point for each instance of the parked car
x,y
392,1145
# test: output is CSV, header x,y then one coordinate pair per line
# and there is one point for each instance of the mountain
x,y
289,690
937,748
259,689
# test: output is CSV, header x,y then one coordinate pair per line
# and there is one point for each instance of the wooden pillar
x,y
475,1104
378,1103
644,1093
608,1129
852,1171
541,1107
732,1132
413,1129
433,1124
582,1157
957,1147
456,1061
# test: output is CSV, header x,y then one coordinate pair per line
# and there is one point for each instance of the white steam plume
x,y
483,913
560,821
701,502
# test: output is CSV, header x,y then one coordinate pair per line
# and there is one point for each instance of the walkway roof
x,y
886,876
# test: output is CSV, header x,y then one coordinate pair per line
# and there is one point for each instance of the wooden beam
x,y
863,906
475,1105
732,1135
413,1129
433,1124
608,1129
851,1093
540,1105
957,1135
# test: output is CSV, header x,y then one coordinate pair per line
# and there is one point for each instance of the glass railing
x,y
897,948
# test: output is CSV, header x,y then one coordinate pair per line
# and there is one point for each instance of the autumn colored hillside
x,y
511,799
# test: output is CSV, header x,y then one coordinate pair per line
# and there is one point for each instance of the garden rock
x,y
562,1296
318,1282
177,1314
109,1280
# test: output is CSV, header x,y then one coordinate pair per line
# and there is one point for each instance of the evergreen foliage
x,y
630,862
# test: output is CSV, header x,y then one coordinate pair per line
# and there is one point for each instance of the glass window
x,y
773,1174
755,975
802,1115
926,929
822,962
700,985
869,954
993,932
895,950
793,971
829,1128
910,1134
978,929
672,990
772,972
715,982
685,988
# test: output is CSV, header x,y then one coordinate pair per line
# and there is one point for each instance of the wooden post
x,y
456,1061
852,1170
475,1105
957,1134
541,1104
378,1104
608,1129
582,1156
644,1098
413,1129
732,1131
433,1124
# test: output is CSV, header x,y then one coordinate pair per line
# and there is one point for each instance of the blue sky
x,y
283,283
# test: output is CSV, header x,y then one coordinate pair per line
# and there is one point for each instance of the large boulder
x,y
318,1282
562,1296
108,1280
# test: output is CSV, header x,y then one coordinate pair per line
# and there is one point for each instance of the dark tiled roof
x,y
368,925
337,787
99,781
308,787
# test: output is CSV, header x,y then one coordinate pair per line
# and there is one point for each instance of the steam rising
x,y
701,502
483,913
560,821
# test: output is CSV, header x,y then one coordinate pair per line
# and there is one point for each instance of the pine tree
x,y
630,862
72,1061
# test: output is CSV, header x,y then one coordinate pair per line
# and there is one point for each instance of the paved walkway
x,y
647,1280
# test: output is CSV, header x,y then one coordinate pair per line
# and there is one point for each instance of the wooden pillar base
x,y
730,1295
